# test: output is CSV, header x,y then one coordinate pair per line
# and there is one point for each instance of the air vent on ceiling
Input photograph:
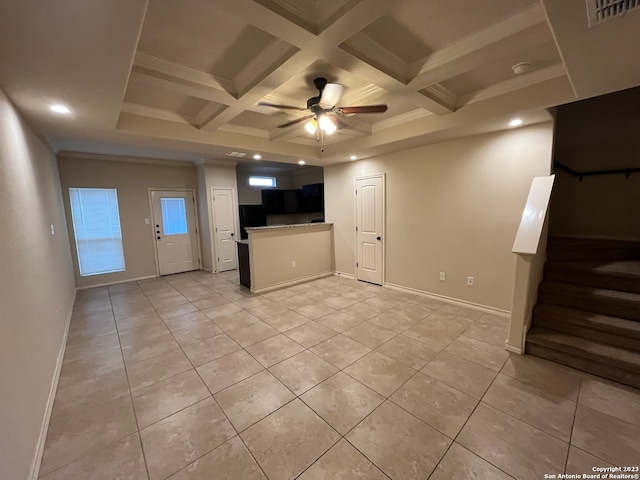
x,y
601,10
235,154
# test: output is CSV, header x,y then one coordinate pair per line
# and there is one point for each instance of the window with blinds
x,y
96,227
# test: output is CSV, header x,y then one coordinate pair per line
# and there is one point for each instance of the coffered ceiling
x,y
185,77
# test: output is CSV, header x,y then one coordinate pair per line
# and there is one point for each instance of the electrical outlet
x,y
443,276
470,281
293,264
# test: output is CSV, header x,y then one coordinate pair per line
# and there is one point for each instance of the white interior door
x,y
224,214
174,218
369,228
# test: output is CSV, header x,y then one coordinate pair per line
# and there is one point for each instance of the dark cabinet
x,y
243,264
308,199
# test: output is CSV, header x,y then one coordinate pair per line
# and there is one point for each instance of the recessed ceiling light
x,y
257,156
59,108
353,157
515,122
301,162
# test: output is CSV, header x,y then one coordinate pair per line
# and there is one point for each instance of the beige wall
x,y
37,289
308,177
272,251
452,207
204,218
603,206
214,176
132,180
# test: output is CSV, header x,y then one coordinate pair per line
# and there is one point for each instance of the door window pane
x,y
174,216
96,226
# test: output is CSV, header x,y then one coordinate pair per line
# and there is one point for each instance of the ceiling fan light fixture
x,y
327,125
311,126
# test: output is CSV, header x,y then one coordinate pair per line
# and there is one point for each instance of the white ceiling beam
x,y
513,84
287,133
356,19
157,113
224,115
175,85
268,21
208,113
444,101
357,127
269,59
159,65
370,51
410,116
254,132
479,48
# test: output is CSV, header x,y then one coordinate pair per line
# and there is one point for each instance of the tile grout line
x,y
133,408
573,423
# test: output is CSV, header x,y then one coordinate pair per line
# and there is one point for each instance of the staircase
x,y
588,310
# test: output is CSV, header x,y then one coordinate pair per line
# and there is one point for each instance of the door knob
x,y
232,234
378,238
158,238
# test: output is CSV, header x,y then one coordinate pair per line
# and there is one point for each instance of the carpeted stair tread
x,y
626,377
562,248
593,326
592,320
590,350
617,268
600,300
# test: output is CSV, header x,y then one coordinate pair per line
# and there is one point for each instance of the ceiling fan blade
x,y
363,109
274,105
331,95
297,120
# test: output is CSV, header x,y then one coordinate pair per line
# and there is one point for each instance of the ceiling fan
x,y
323,107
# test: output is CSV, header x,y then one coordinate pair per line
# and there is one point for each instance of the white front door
x,y
369,228
174,221
224,224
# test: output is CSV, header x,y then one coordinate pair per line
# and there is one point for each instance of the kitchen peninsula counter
x,y
283,255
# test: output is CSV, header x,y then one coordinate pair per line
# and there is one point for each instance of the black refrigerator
x,y
251,216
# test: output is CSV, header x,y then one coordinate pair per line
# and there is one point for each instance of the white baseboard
x,y
514,348
350,276
291,283
108,284
37,459
453,301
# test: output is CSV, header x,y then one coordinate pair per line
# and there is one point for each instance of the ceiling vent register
x,y
599,11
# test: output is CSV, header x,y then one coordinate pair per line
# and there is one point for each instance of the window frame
x,y
274,182
79,226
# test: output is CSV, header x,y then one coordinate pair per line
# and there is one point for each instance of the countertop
x,y
275,227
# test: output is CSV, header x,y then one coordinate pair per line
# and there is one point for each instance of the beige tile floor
x,y
192,377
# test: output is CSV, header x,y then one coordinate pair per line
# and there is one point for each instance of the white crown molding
x,y
400,119
118,158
